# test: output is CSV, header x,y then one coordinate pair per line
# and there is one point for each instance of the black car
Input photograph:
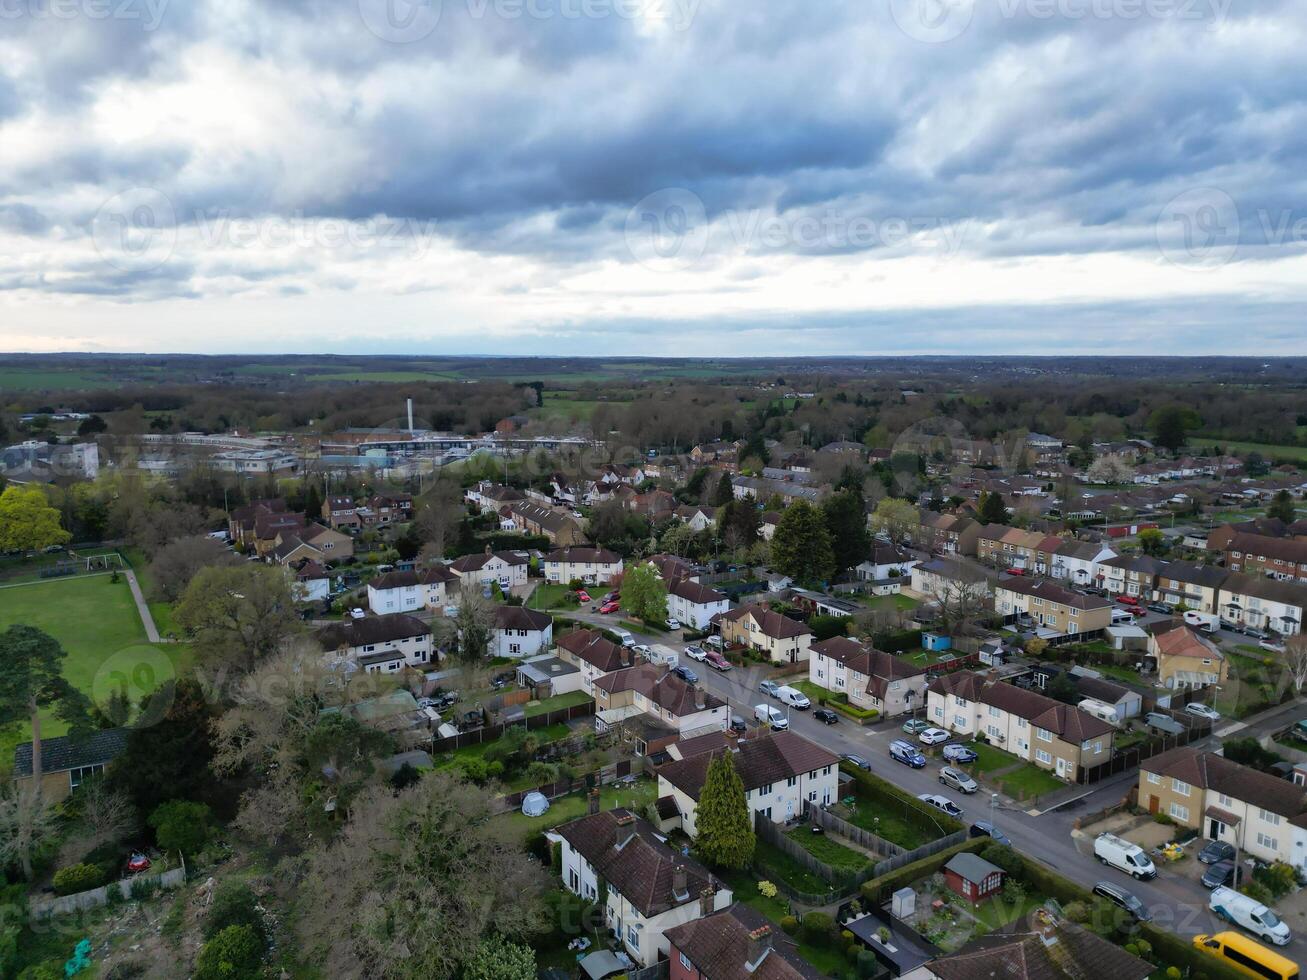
x,y
1220,874
685,674
826,716
738,724
983,828
856,760
1217,850
1122,899
1160,607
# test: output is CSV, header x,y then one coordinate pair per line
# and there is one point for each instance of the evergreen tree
x,y
801,546
1282,507
725,831
312,500
846,520
990,509
725,491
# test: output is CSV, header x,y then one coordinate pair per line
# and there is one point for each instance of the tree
x,y
1110,469
846,520
738,523
233,904
105,816
236,953
725,491
725,831
1282,507
172,757
28,522
990,508
92,426
1152,542
28,822
180,825
467,635
960,605
1171,425
895,519
33,681
801,546
239,615
1062,688
177,563
418,877
1295,659
644,593
498,959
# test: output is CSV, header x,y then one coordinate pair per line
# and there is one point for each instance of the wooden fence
x,y
827,821
924,851
1133,756
491,732
599,777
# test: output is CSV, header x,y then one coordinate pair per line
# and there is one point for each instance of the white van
x,y
1207,622
1120,616
623,637
793,697
1100,710
768,715
1124,856
1250,914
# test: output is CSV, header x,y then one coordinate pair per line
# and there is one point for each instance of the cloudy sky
x,y
670,177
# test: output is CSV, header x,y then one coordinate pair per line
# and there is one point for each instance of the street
x,y
1176,903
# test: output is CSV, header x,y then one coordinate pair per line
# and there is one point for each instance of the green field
x,y
1269,450
96,621
18,379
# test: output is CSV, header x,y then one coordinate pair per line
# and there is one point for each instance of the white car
x,y
673,623
1271,646
357,613
1203,711
933,736
696,653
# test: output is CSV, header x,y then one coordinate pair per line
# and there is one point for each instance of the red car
x,y
582,595
1127,600
715,659
137,864
609,607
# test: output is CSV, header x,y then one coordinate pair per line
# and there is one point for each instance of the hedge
x,y
878,889
854,712
899,642
938,823
78,878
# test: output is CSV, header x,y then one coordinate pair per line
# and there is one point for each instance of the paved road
x,y
1176,902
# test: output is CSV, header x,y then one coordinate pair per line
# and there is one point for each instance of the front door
x,y
1216,830
1154,804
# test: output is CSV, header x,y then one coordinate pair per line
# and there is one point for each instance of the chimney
x,y
759,946
700,699
410,416
488,551
592,803
680,883
707,898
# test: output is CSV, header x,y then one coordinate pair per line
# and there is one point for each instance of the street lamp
x,y
993,808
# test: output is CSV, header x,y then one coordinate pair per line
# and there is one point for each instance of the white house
x,y
885,560
951,579
651,888
780,773
429,588
1078,562
379,644
508,568
312,582
593,566
521,632
872,679
693,604
667,703
1263,603
700,518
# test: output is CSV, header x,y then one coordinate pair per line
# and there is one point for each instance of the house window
x,y
1043,756
633,937
685,962
1267,817
764,790
1268,842
1179,787
1179,812
993,712
78,776
994,731
573,882
791,781
959,721
1043,734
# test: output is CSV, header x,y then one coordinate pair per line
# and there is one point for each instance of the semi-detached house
x,y
379,644
593,566
427,588
1263,603
508,568
520,632
1190,584
1052,735
594,655
871,679
693,604
784,640
1055,609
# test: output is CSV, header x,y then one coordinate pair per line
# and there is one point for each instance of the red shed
x,y
972,877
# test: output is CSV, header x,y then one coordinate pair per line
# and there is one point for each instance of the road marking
x,y
1236,727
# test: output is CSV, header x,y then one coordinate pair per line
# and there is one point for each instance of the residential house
x,y
781,772
548,677
379,644
340,512
1038,729
784,640
1078,562
270,529
1050,949
669,705
1263,815
647,888
1132,575
1218,539
425,588
561,529
735,944
507,568
885,560
241,522
759,488
693,604
521,632
949,579
593,566
1186,660
1263,603
872,679
1054,608
946,534
770,520
1189,584
1281,558
490,497
594,655
384,509
699,518
67,762
311,542
972,877
653,504
1015,548
312,582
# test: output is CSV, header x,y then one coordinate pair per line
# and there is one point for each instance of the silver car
x,y
958,780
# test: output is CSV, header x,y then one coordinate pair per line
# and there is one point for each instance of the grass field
x,y
19,379
635,797
901,602
568,700
96,621
1269,450
828,850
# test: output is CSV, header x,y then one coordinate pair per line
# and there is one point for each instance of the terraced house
x,y
872,679
1052,735
594,655
427,588
1190,584
1263,603
1255,554
1134,575
508,568
784,640
1056,610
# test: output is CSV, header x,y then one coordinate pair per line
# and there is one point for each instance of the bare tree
x,y
960,604
28,820
1295,659
107,817
180,561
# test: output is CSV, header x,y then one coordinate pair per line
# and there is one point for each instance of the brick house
x,y
871,678
734,944
784,640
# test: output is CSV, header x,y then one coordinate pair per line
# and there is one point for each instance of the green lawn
x,y
1001,911
1118,672
549,595
828,850
900,602
1269,450
534,708
550,733
634,797
96,621
1029,781
989,758
771,860
161,612
814,692
887,825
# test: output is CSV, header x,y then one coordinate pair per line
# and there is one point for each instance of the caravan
x,y
1100,710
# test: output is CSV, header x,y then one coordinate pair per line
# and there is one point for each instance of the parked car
x,y
907,753
1255,634
583,596
915,726
1250,914
1124,856
1127,600
769,715
357,613
769,688
826,716
1203,711
1122,899
958,780
793,697
856,760
738,724
137,863
959,753
716,661
714,642
1271,646
673,623
1219,875
696,653
983,828
942,803
1216,851
685,674
626,639
609,607
933,736
1160,607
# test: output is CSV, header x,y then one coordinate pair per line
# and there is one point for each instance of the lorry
x,y
1250,914
1119,853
